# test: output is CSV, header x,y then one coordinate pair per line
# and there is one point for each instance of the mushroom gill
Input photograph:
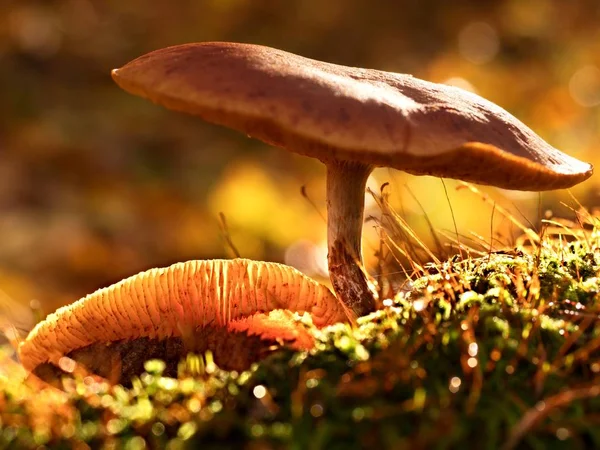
x,y
239,309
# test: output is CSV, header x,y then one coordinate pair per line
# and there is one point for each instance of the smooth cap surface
x,y
334,112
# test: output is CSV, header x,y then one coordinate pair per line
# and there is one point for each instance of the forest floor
x,y
493,350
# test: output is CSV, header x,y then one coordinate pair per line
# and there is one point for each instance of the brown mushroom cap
x,y
236,308
334,112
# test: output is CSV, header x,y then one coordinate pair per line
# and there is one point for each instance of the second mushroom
x,y
353,120
239,309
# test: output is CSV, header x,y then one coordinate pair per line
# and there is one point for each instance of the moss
x,y
490,351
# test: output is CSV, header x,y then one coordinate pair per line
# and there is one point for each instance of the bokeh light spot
x,y
259,391
584,86
454,384
478,42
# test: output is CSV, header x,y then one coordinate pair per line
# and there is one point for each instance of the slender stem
x,y
346,182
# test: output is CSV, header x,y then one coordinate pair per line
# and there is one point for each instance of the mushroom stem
x,y
346,182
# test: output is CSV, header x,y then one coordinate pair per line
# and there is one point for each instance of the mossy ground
x,y
498,351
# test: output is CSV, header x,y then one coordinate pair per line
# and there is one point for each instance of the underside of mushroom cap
x,y
236,308
335,112
234,347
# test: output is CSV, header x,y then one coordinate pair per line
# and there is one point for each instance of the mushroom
x,y
352,119
238,309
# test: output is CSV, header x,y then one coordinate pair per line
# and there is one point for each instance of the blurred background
x,y
96,185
